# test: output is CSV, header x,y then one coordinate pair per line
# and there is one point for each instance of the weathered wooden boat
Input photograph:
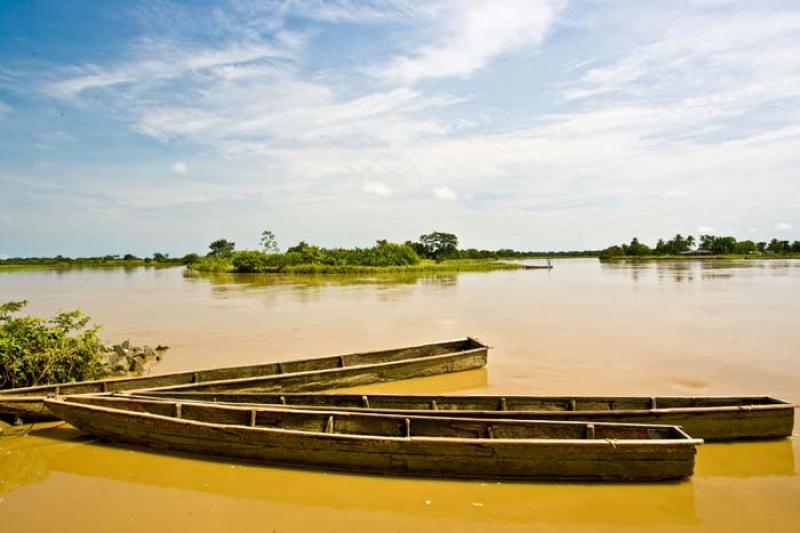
x,y
705,417
464,354
389,444
305,374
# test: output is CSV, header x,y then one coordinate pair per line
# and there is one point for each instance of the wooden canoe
x,y
390,444
705,417
305,374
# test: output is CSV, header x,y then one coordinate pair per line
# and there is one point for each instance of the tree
x,y
635,248
439,245
718,245
307,253
190,259
159,257
611,252
679,244
706,241
268,242
745,247
221,248
778,247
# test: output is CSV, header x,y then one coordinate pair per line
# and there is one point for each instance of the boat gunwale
x,y
49,387
778,405
682,438
326,371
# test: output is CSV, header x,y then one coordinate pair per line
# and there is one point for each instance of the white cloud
x,y
377,188
734,56
4,108
174,62
471,34
672,124
180,167
444,193
783,226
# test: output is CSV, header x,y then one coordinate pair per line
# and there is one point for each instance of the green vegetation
x,y
35,350
433,252
709,246
128,260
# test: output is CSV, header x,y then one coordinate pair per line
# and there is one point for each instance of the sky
x,y
151,126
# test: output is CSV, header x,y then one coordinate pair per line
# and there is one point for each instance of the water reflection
x,y
656,328
750,459
327,495
689,270
310,288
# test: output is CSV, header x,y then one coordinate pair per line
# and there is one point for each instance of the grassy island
x,y
435,252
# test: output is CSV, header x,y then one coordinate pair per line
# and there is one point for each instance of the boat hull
x,y
501,458
301,375
708,418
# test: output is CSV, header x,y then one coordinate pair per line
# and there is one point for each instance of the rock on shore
x,y
124,358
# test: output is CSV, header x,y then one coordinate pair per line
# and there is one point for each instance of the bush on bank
x,y
307,257
36,350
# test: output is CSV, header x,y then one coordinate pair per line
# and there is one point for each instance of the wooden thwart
x,y
706,417
305,374
390,444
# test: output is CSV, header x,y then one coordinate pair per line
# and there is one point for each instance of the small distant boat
x,y
705,417
300,375
390,444
548,266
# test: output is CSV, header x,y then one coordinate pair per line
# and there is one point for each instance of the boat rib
x,y
390,444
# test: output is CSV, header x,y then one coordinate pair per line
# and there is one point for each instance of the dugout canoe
x,y
386,444
300,375
712,418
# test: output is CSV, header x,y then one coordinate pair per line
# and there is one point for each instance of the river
x,y
699,327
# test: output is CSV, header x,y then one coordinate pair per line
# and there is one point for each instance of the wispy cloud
x,y
444,193
468,35
377,188
182,62
281,106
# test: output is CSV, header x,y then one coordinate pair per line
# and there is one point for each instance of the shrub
x,y
35,350
190,259
250,261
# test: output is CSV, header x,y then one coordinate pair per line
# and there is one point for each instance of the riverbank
x,y
11,265
672,257
423,266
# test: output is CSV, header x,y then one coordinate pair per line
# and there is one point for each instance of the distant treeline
x,y
705,245
437,247
158,259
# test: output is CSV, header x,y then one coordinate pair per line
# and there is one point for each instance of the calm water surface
x,y
689,327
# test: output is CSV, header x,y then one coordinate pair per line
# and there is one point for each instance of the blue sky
x,y
534,124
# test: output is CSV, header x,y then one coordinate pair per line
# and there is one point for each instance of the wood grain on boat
x,y
390,444
305,374
705,417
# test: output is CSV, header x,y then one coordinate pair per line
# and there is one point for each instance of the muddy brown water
x,y
689,327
